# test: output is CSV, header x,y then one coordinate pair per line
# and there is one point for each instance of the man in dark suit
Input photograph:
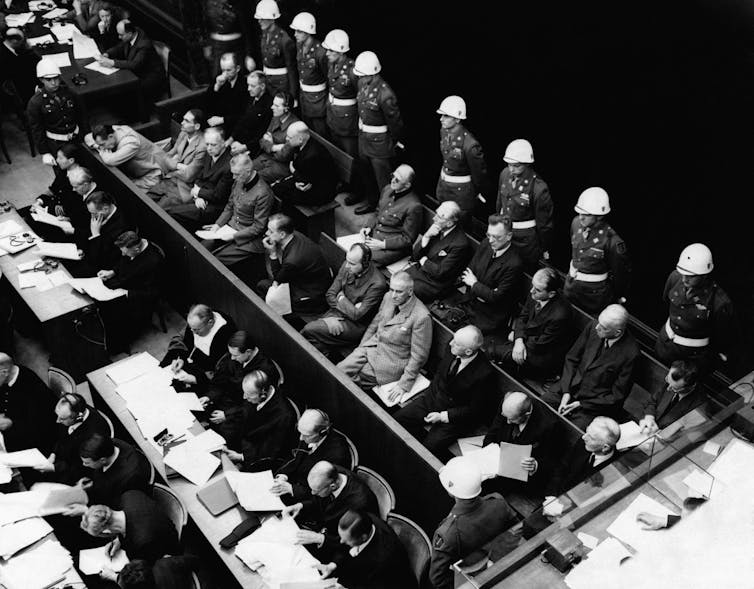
x,y
102,27
317,442
18,66
598,371
493,278
681,395
334,490
266,426
542,332
227,97
211,190
372,556
107,222
251,126
295,259
314,178
583,460
440,255
26,408
520,421
135,52
455,401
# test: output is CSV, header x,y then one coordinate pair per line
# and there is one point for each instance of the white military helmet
x,y
453,106
304,22
593,201
47,69
461,478
695,260
366,64
519,151
267,9
337,40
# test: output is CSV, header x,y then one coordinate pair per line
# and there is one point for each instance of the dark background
x,y
650,100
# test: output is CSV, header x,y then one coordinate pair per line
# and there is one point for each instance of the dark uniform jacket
x,y
140,276
142,59
447,256
462,155
247,211
381,564
397,223
183,347
600,383
378,106
68,467
268,432
130,471
312,164
493,299
58,113
252,125
31,407
311,58
547,333
279,51
150,534
229,102
278,128
333,449
101,252
366,288
660,405
342,120
470,524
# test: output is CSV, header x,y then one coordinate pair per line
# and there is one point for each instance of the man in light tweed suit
x,y
397,342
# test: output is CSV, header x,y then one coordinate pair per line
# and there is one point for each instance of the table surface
x,y
213,528
47,305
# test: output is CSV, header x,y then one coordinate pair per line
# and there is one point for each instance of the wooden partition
x,y
194,275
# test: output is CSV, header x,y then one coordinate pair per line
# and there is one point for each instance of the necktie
x,y
453,370
516,431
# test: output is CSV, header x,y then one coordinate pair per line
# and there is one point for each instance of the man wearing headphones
x,y
317,442
354,298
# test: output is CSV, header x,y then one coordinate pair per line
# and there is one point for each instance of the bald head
x,y
516,407
297,134
466,341
612,322
322,479
313,426
402,178
447,214
601,436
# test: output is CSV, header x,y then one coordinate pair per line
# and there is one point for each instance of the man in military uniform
x,y
600,268
342,112
380,130
463,176
700,320
54,113
524,197
229,29
278,51
472,522
312,72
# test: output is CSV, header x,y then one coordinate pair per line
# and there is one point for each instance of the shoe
x,y
364,209
352,199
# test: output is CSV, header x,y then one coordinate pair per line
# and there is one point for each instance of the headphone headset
x,y
326,418
77,404
366,253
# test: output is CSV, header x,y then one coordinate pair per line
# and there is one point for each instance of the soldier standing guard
x,y
312,72
54,113
524,197
600,268
278,51
463,177
380,130
342,113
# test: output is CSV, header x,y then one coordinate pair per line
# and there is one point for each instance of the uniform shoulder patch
x,y
438,541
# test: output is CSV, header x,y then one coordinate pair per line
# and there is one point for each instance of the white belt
x,y
583,277
313,87
372,128
224,36
455,179
62,136
275,71
342,101
524,224
689,342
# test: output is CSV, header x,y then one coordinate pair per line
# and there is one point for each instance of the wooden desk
x,y
213,528
46,305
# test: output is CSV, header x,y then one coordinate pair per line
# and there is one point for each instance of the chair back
x,y
296,410
195,582
351,448
172,505
281,382
152,473
163,50
415,541
380,487
60,382
109,423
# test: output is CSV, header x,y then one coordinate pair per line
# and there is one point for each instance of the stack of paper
x,y
42,216
96,289
19,535
132,367
55,13
191,401
9,227
383,391
630,435
83,47
602,563
66,251
31,458
39,568
502,459
93,561
19,20
34,41
627,529
59,59
279,298
471,444
96,66
207,441
222,233
197,467
253,490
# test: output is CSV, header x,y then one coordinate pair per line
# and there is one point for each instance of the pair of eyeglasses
x,y
45,266
23,238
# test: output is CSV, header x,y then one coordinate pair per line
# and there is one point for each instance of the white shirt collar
x,y
600,458
13,51
314,445
267,400
12,380
342,480
465,362
92,189
133,39
204,342
498,253
112,212
72,428
355,550
611,341
115,457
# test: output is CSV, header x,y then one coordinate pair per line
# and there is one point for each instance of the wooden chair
x,y
351,448
152,472
109,423
195,582
281,382
163,50
60,382
416,542
172,505
295,408
380,487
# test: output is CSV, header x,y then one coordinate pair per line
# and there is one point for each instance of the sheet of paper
x,y
383,391
96,289
55,13
471,444
9,227
553,508
24,458
66,251
59,59
27,266
92,561
14,508
58,498
6,474
58,278
511,456
14,537
132,367
32,279
346,241
587,540
712,448
398,266
279,298
43,566
190,401
699,484
34,41
83,47
17,243
197,467
19,20
630,435
226,231
103,69
628,530
253,490
207,441
601,563
487,460
43,216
